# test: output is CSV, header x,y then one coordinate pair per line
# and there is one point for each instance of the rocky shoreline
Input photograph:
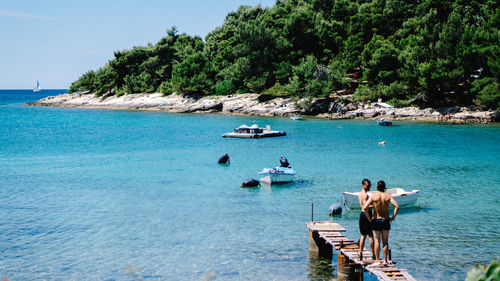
x,y
259,104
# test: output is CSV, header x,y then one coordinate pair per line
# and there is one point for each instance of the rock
x,y
318,106
266,105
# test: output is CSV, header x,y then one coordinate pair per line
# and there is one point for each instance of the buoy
x,y
381,142
224,159
335,209
250,183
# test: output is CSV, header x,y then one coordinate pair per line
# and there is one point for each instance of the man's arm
x,y
365,208
396,208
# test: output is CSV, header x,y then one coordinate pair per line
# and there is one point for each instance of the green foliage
x,y
165,88
105,80
364,93
224,87
86,82
276,90
447,50
488,92
380,61
138,83
491,273
193,75
309,79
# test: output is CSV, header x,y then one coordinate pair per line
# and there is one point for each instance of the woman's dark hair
x,y
381,185
365,181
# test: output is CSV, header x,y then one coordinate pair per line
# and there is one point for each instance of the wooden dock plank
x,y
325,226
331,233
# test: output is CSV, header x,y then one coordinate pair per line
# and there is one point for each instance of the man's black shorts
x,y
365,227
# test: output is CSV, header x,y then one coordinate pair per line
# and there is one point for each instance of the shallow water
x,y
92,194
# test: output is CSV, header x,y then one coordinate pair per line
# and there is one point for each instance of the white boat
x,y
37,87
253,131
402,197
277,175
295,117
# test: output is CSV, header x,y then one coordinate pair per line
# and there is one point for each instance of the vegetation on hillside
x,y
432,52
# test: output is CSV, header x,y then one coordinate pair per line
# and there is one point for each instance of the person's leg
x,y
385,241
370,240
361,246
376,237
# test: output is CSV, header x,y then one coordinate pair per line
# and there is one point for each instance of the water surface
x,y
92,194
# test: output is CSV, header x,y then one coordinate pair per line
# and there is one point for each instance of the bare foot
x,y
377,263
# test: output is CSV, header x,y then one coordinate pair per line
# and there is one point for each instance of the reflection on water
x,y
321,269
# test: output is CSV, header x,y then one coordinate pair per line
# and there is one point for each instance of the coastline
x,y
265,105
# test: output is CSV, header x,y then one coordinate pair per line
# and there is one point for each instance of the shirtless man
x,y
381,224
365,227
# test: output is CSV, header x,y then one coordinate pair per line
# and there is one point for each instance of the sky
x,y
56,41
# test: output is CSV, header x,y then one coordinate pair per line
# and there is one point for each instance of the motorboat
x,y
383,122
402,197
277,175
295,117
253,131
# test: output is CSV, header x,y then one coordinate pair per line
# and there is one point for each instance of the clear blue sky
x,y
56,41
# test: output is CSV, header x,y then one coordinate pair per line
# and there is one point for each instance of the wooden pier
x,y
323,236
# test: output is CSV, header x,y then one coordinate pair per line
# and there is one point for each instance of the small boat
x,y
295,117
383,122
37,87
277,175
253,131
403,198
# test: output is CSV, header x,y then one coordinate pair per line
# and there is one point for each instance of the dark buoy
x,y
335,209
224,159
250,183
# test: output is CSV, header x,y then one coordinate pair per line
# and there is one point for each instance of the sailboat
x,y
37,88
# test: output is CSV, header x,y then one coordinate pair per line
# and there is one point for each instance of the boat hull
x,y
403,198
384,123
254,136
277,175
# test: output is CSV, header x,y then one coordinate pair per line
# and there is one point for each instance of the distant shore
x,y
265,105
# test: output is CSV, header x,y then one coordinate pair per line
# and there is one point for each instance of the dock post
x,y
318,247
346,271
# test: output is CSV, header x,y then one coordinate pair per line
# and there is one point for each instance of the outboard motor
x,y
284,163
224,159
335,209
250,183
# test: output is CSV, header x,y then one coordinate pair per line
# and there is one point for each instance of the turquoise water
x,y
90,194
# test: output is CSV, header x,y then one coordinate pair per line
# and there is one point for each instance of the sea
x,y
96,194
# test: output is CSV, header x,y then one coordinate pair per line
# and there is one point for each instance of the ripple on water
x,y
123,195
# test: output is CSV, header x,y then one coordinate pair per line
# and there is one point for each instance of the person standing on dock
x,y
365,227
381,220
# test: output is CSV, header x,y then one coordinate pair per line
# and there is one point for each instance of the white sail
x,y
37,88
